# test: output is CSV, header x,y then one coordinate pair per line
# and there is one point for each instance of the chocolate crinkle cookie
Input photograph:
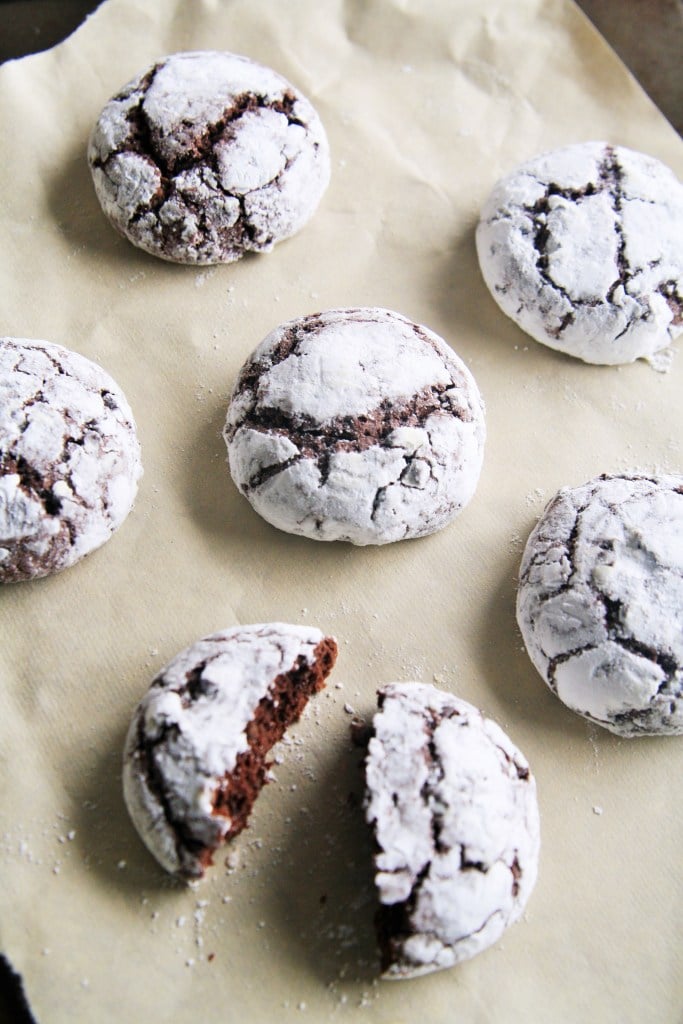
x,y
355,425
195,754
453,807
583,248
600,601
69,458
206,156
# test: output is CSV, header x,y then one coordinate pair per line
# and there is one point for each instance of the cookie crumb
x,y
662,361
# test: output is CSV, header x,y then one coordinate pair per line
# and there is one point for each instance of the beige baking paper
x,y
426,103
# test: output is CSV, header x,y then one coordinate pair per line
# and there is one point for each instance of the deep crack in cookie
x,y
355,425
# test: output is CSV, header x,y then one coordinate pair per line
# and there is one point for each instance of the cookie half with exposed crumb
x,y
69,458
600,601
453,807
196,750
583,248
206,156
356,425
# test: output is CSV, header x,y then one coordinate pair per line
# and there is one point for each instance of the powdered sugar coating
x,y
600,601
583,248
453,807
356,425
206,156
69,458
191,727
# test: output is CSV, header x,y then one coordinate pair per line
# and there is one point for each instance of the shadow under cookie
x,y
105,836
506,667
322,896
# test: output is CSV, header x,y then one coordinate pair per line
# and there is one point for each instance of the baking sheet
x,y
426,104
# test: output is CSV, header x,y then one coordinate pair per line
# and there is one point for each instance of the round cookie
x,y
206,156
195,754
600,601
69,458
583,248
453,807
355,425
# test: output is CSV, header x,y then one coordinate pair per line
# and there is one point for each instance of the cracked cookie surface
x,y
195,754
600,601
69,458
453,807
206,156
583,248
355,425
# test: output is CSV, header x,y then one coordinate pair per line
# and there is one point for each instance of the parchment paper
x,y
426,104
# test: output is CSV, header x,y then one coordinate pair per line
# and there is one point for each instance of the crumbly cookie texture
x,y
195,754
583,248
69,458
355,425
600,601
453,806
206,156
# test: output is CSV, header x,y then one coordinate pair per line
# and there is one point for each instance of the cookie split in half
x,y
583,248
69,458
207,156
600,601
355,425
452,804
195,754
